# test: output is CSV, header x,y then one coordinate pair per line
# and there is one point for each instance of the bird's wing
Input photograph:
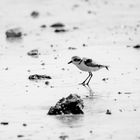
x,y
91,63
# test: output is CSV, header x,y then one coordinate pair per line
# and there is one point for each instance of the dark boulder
x,y
13,33
39,77
72,104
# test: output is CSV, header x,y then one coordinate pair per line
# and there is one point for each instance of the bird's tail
x,y
106,67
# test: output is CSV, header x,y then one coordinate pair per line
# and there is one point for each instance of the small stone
x,y
84,45
57,25
43,26
35,14
4,123
127,92
20,136
39,77
6,68
42,64
120,110
91,131
75,28
60,30
63,137
24,124
63,69
14,33
104,79
119,92
47,83
33,53
136,46
108,112
72,48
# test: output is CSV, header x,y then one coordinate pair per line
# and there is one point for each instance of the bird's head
x,y
75,60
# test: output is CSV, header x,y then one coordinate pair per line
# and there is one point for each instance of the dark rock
x,y
136,46
72,104
38,77
4,123
13,33
84,45
60,30
63,137
127,92
119,92
33,53
75,28
43,26
47,83
71,48
20,136
35,14
57,25
24,124
108,112
105,79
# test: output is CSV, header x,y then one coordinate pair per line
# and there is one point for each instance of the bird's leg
x,y
89,78
83,83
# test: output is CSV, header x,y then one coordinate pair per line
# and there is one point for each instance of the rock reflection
x,y
14,40
70,120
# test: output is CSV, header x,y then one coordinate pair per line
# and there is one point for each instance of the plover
x,y
88,65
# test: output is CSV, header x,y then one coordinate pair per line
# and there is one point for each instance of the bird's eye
x,y
76,59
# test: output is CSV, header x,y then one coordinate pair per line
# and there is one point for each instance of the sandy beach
x,y
106,31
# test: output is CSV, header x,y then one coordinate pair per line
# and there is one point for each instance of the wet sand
x,y
103,30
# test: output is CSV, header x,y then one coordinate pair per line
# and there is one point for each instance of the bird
x,y
87,65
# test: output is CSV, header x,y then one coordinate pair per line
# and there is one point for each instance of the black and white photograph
x,y
69,69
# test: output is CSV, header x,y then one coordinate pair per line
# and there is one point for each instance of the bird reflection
x,y
70,120
91,92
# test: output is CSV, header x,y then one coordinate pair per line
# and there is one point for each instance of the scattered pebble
x,y
63,69
60,30
75,28
47,83
104,79
43,26
35,14
39,77
127,93
24,124
136,46
57,25
91,131
43,64
108,112
72,48
33,53
120,110
6,68
84,45
119,92
14,33
20,136
63,137
4,123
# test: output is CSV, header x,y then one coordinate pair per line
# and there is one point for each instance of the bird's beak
x,y
69,62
